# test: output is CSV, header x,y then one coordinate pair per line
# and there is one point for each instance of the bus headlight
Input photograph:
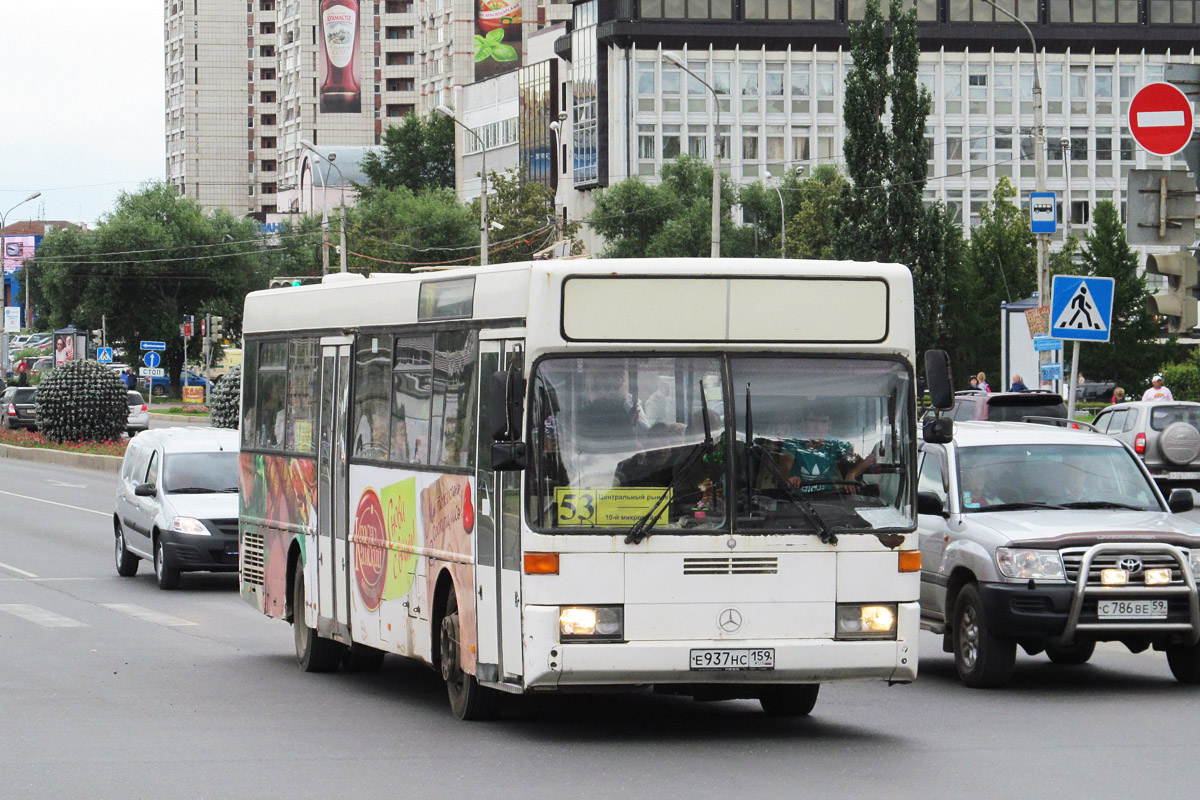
x,y
591,623
1026,564
189,525
866,621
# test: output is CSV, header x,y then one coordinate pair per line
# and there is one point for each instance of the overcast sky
x,y
82,114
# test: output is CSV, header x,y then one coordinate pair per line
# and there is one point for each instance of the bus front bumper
x,y
550,664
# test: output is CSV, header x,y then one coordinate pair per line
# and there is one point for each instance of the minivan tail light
x,y
1139,444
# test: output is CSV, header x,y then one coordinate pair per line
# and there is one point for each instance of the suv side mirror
x,y
929,503
938,430
1181,500
145,490
939,380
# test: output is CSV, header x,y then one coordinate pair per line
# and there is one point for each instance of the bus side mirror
x,y
939,430
508,456
938,378
507,391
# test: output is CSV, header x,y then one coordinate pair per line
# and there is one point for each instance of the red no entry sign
x,y
1160,119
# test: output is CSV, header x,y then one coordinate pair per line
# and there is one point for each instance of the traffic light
x,y
1178,305
98,337
216,326
282,282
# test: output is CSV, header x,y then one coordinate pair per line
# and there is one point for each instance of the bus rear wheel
x,y
468,700
313,653
789,701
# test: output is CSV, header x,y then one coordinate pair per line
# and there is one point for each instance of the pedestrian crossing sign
x,y
1081,308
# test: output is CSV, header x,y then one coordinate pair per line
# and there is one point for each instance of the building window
x,y
672,86
269,188
696,91
398,7
398,59
825,87
646,150
801,88
266,5
979,11
268,165
687,9
266,28
584,79
535,91
267,97
774,88
800,144
268,119
267,51
267,143
926,10
267,74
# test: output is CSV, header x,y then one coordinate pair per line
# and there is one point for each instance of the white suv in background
x,y
177,503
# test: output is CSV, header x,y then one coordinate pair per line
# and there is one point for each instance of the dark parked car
x,y
16,408
1098,392
1006,406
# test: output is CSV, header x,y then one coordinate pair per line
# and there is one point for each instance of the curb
x,y
180,417
62,458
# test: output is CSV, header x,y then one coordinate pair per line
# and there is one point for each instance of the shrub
x,y
1182,379
225,400
82,401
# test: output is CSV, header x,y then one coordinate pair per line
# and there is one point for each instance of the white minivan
x,y
177,503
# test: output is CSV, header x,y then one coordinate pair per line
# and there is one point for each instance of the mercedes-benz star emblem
x,y
730,620
1130,564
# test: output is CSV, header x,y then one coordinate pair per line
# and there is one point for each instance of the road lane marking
x,y
67,485
146,614
17,571
40,616
53,503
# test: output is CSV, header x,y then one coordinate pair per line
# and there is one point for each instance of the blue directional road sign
x,y
151,359
104,355
1043,216
154,345
1081,308
1046,343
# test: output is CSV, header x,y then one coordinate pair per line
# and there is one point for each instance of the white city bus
x,y
690,475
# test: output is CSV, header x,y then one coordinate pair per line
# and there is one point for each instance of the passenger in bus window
x,y
816,455
271,411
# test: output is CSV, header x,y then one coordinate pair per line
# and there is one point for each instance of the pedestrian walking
x,y
22,373
983,384
130,379
1157,391
1118,396
1018,385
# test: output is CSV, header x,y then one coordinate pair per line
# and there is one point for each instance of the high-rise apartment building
x,y
249,85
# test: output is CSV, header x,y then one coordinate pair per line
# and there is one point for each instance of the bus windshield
x,y
615,439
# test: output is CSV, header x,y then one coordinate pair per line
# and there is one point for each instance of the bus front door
x,y
498,543
333,595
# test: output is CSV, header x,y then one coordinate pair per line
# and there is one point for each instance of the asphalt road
x,y
111,688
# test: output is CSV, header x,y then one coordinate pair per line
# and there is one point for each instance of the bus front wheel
x,y
468,700
313,653
789,701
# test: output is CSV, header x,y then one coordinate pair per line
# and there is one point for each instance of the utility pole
x,y
1066,151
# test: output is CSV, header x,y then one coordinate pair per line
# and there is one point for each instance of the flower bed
x,y
196,410
37,440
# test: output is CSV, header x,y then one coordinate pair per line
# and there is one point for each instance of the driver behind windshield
x,y
815,455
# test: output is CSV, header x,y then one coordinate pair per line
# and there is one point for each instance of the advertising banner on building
x,y
341,64
497,37
17,249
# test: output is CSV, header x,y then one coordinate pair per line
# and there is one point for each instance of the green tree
x,y
937,268
417,154
395,229
153,259
813,206
525,210
1132,353
1000,266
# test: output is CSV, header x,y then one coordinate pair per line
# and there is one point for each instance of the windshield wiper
x,y
1019,506
193,490
229,490
641,529
1102,504
754,452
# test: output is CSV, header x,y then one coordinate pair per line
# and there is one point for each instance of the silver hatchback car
x,y
177,503
1052,539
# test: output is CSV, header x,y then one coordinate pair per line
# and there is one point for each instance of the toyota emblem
x,y
730,620
1130,564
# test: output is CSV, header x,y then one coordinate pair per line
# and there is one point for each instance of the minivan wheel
x,y
168,576
127,562
983,659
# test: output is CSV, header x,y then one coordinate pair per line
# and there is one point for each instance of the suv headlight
x,y
1194,558
189,525
1025,564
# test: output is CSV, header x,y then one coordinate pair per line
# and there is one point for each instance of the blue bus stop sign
x,y
1043,214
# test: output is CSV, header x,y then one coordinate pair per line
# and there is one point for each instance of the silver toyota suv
x,y
1052,539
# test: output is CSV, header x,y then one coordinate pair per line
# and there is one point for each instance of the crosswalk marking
x,y
40,616
146,614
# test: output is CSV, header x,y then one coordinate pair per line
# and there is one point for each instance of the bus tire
x,y
126,562
983,660
166,575
789,701
313,653
361,658
468,700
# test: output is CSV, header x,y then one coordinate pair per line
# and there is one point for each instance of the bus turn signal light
x,y
910,561
541,563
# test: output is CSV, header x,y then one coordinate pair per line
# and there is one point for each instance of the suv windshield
x,y
612,435
1162,417
1012,477
201,473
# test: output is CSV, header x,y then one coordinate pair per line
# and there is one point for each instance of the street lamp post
x,y
324,209
24,279
559,201
1039,135
445,111
782,225
675,59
